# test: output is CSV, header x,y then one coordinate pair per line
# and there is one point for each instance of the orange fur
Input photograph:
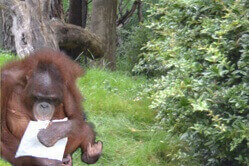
x,y
15,110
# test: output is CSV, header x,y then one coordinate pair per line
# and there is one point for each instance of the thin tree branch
x,y
120,22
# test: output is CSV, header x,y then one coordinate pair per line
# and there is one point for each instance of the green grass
x,y
123,121
5,56
121,117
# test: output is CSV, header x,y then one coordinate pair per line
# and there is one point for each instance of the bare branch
x,y
89,1
128,14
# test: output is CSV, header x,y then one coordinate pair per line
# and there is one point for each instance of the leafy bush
x,y
200,59
131,38
130,44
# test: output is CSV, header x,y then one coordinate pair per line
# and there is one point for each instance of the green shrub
x,y
200,59
130,44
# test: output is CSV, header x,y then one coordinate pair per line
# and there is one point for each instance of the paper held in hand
x,y
30,145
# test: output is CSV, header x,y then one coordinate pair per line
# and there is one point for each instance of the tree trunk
x,y
104,25
56,9
78,12
75,12
31,25
84,13
1,29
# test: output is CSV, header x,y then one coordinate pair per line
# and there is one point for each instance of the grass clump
x,y
122,118
109,93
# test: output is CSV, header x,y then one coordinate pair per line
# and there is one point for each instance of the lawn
x,y
123,121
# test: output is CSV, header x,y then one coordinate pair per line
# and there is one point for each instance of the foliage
x,y
130,44
6,56
200,59
131,38
124,123
65,4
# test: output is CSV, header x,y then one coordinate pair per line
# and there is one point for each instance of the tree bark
x,y
7,35
84,13
71,38
56,9
31,25
1,29
78,12
75,12
104,25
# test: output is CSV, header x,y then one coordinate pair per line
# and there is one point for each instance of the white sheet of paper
x,y
30,145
